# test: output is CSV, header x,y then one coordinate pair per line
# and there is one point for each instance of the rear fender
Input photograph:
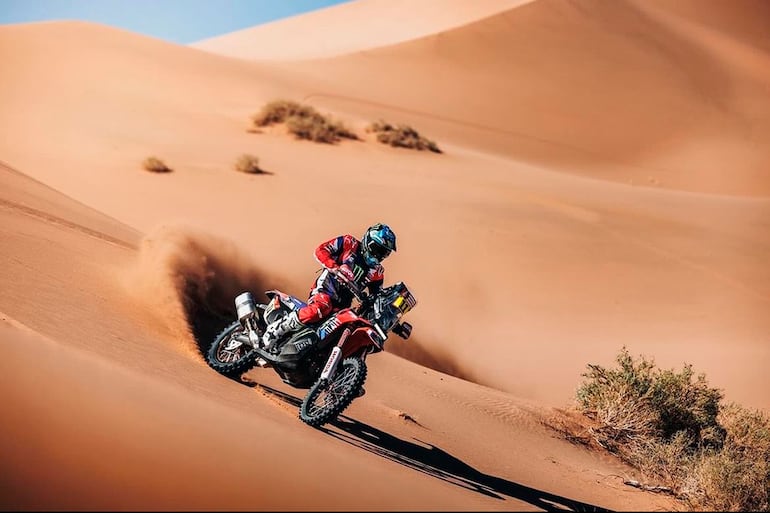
x,y
278,303
287,299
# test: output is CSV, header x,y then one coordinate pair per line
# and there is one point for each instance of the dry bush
x,y
155,165
303,121
672,427
401,136
278,111
737,477
638,400
248,164
318,129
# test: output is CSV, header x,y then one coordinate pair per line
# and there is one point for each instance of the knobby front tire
x,y
324,401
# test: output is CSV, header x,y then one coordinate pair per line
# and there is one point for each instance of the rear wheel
x,y
229,357
327,399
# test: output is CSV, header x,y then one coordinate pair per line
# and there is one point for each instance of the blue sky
x,y
179,21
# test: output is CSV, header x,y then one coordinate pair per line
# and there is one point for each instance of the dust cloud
x,y
188,279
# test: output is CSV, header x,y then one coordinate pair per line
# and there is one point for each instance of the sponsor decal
x,y
302,344
331,362
328,327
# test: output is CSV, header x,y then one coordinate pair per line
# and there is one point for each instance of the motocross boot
x,y
279,328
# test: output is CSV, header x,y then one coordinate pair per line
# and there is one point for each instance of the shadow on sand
x,y
433,461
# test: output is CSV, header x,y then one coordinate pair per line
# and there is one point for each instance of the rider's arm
x,y
330,253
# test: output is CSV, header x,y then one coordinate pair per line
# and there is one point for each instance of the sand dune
x,y
367,24
581,205
658,271
624,91
105,408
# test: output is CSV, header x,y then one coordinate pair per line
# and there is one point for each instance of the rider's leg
x,y
279,328
318,306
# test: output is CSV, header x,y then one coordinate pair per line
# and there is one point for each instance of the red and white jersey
x,y
344,250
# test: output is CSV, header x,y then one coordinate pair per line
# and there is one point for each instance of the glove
x,y
346,272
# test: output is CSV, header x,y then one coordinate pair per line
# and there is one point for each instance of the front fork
x,y
334,358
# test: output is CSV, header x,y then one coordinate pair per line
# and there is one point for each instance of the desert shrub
x,y
401,136
248,164
737,477
318,129
278,111
672,426
155,165
638,401
303,121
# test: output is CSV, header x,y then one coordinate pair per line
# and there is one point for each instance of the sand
x,y
602,184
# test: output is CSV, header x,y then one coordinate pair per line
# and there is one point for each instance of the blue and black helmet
x,y
378,242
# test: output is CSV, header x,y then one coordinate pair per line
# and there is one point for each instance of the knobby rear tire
x,y
231,369
345,383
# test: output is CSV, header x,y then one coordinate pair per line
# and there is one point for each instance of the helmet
x,y
377,243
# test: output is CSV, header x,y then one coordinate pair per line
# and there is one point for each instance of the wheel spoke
x,y
234,354
335,391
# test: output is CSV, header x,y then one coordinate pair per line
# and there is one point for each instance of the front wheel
x,y
229,357
327,399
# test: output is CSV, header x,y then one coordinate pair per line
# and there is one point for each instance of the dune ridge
x,y
368,24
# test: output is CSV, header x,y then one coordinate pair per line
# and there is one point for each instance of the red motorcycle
x,y
328,358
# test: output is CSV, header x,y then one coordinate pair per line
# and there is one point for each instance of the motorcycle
x,y
327,358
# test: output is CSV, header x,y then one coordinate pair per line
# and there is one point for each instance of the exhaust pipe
x,y
245,307
246,310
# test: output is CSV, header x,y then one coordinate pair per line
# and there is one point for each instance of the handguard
x,y
403,330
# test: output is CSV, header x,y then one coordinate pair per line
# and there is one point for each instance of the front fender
x,y
362,338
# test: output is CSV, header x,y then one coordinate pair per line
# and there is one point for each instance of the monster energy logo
x,y
358,272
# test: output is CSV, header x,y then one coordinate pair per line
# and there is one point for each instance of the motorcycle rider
x,y
358,262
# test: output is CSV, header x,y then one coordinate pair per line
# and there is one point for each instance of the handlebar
x,y
348,285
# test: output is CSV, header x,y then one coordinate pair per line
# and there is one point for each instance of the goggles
x,y
377,250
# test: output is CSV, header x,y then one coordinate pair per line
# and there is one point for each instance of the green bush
x,y
303,121
401,136
672,426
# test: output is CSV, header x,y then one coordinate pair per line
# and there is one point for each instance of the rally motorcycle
x,y
328,358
